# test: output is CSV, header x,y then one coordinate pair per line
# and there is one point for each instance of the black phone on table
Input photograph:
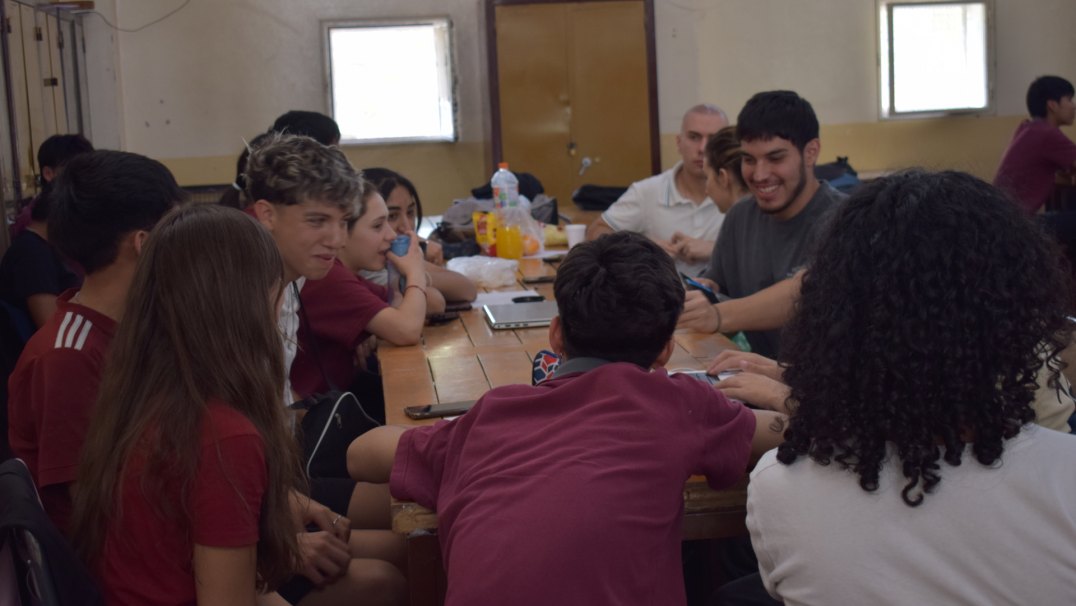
x,y
539,279
447,409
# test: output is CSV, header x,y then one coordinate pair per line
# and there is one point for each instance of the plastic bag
x,y
531,230
487,272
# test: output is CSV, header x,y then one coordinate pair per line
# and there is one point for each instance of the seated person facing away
x,y
764,240
587,468
724,179
188,468
303,193
1039,150
102,208
911,473
405,214
51,157
33,274
673,208
346,312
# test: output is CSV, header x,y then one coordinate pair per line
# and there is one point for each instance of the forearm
x,y
454,286
598,228
370,456
767,309
401,325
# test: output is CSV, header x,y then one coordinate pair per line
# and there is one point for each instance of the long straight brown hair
x,y
199,323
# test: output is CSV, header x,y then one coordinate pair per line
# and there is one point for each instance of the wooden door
x,y
27,159
574,82
55,85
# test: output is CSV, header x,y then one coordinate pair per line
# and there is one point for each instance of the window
x,y
935,58
391,81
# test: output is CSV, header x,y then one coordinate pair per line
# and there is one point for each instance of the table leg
x,y
426,572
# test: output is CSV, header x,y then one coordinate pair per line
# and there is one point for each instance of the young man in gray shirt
x,y
762,248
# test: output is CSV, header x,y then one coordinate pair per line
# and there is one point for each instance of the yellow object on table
x,y
555,235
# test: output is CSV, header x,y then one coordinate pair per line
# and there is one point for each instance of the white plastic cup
x,y
576,233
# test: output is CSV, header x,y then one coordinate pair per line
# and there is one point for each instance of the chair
x,y
37,565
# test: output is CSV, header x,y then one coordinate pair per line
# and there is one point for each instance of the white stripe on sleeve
x,y
63,327
71,333
82,336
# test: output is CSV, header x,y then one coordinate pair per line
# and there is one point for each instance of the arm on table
x,y
454,286
767,309
403,325
225,576
370,456
598,227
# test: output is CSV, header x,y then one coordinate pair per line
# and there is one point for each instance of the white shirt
x,y
289,331
655,208
999,535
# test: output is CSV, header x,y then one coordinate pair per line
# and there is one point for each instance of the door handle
x,y
586,164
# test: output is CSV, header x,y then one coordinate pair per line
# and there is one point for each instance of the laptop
x,y
520,315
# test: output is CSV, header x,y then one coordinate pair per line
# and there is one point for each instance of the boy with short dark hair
x,y
103,207
571,491
1039,149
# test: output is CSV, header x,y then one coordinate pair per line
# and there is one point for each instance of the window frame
x,y
452,78
885,64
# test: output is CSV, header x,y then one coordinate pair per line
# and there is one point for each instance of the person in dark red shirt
x,y
1039,150
189,464
571,491
103,206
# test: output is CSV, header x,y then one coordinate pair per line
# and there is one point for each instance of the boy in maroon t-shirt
x,y
571,491
1039,150
103,206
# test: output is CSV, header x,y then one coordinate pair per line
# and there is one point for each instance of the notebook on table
x,y
520,315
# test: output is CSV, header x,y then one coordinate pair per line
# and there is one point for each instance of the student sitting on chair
x,y
912,473
186,478
346,313
571,491
405,214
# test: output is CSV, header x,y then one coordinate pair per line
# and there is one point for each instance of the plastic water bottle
x,y
506,197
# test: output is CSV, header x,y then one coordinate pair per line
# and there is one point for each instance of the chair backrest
x,y
45,568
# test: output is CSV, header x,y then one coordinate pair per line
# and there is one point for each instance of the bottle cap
x,y
503,165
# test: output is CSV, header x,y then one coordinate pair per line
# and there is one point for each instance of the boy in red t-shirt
x,y
571,491
103,206
1039,150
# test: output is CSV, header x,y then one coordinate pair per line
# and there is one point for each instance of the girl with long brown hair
x,y
183,492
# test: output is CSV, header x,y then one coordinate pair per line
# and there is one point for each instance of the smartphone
x,y
539,279
447,409
529,299
442,317
459,306
553,259
711,296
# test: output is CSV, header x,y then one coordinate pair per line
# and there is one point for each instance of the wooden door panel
x,y
71,80
22,111
532,59
609,91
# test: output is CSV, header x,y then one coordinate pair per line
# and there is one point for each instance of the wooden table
x,y
465,358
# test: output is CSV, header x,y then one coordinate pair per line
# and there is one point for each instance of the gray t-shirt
x,y
755,251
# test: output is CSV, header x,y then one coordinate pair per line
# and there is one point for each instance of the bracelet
x,y
420,289
429,280
717,308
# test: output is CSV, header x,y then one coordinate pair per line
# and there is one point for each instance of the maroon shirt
x,y
1037,151
339,306
571,492
52,393
147,560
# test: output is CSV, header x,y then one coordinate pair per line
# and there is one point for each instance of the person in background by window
x,y
51,157
405,214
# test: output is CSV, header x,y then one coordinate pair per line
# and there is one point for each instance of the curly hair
x,y
288,169
928,309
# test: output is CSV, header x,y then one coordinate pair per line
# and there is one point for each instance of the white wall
x,y
106,129
219,70
223,69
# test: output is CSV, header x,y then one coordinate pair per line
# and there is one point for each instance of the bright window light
x,y
391,81
934,58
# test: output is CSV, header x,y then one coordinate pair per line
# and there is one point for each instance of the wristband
x,y
420,289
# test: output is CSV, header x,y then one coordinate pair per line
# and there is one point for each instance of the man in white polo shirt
x,y
672,208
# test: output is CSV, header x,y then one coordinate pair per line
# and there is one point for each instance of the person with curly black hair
x,y
910,473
